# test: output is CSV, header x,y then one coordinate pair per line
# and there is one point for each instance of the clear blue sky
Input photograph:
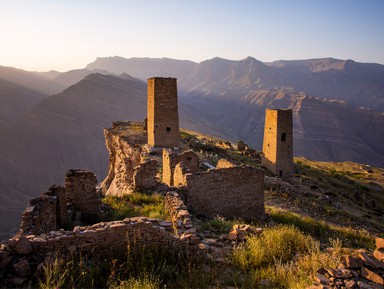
x,y
66,34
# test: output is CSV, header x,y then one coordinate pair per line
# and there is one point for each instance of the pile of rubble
x,y
219,248
358,270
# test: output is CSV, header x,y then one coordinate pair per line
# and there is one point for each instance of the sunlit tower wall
x,y
278,143
162,113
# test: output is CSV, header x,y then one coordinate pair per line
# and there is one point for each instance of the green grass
x,y
217,225
281,257
322,231
136,204
138,267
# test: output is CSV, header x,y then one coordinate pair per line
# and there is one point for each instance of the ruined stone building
x,y
278,143
162,113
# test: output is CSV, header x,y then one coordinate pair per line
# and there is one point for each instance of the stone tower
x,y
278,143
162,113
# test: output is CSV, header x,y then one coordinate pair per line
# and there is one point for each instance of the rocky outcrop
x,y
131,167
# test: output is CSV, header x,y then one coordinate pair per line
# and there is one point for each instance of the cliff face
x,y
130,167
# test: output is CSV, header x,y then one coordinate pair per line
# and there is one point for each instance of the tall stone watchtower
x,y
162,114
278,142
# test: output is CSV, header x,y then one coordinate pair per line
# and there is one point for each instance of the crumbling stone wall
x,y
80,187
39,216
162,113
21,255
171,159
181,219
144,177
234,192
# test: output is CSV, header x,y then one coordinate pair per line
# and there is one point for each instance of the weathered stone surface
x,y
21,245
162,113
17,281
371,262
171,158
372,276
353,262
5,259
379,243
22,268
379,254
278,143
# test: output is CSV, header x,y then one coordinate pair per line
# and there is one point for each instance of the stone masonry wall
x,y
181,219
235,192
21,255
171,159
144,177
80,186
39,216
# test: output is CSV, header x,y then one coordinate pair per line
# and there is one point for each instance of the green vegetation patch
x,y
134,205
138,267
281,257
321,230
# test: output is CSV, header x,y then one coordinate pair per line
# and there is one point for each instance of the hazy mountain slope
x,y
15,100
62,132
230,78
31,80
71,77
144,68
360,84
323,129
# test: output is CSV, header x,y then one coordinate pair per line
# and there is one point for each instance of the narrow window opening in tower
x,y
281,173
283,136
168,129
189,158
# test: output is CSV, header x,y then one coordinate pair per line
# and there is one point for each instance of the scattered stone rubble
x,y
358,270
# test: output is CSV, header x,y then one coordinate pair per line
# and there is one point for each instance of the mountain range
x,y
51,122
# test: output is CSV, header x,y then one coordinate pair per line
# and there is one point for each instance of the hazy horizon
x,y
47,35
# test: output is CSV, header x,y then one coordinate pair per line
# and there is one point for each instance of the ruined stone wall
x,y
40,215
20,256
235,192
179,175
181,219
162,113
171,159
144,177
80,187
105,237
278,143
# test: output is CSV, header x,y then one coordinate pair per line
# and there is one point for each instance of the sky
x,y
43,35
